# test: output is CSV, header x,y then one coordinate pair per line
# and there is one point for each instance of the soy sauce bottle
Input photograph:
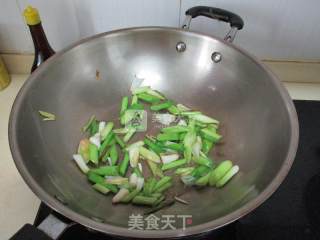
x,y
42,47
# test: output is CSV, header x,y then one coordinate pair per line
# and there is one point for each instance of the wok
x,y
259,121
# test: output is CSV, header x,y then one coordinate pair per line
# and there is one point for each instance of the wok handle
x,y
236,22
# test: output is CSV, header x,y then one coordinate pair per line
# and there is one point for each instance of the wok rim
x,y
124,232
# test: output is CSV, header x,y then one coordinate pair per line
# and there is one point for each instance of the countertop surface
x,y
17,202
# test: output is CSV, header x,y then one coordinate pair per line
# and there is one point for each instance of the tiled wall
x,y
276,29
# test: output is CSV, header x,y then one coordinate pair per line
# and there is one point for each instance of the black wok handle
x,y
235,21
217,13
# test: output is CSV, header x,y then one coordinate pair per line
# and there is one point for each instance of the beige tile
x,y
303,91
295,71
18,63
17,203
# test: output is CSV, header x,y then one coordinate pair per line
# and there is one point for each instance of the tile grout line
x,y
179,17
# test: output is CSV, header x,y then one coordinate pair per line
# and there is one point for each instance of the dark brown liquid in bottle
x,y
42,47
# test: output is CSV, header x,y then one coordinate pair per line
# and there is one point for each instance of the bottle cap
x,y
31,15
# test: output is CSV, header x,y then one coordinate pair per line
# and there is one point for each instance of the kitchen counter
x,y
17,203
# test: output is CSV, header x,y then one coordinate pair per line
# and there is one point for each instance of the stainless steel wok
x,y
259,121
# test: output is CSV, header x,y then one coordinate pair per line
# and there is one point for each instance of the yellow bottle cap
x,y
31,15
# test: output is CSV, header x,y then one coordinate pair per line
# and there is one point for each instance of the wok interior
x,y
236,91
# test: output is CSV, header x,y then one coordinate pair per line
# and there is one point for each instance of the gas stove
x,y
292,212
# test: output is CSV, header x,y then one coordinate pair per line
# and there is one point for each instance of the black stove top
x,y
293,211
